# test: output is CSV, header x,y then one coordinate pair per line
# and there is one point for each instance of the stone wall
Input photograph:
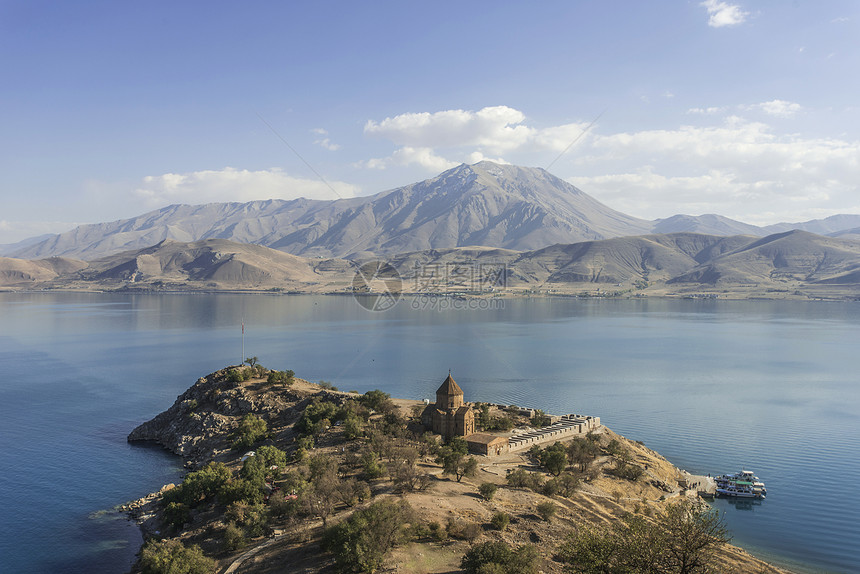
x,y
567,426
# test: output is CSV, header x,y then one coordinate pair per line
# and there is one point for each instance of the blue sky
x,y
750,109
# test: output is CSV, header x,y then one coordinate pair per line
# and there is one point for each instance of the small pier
x,y
703,486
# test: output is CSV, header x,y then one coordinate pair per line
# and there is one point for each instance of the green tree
x,y
199,486
371,465
234,537
353,427
282,377
175,515
351,491
455,462
360,543
315,413
250,430
172,557
256,468
252,517
500,520
564,484
554,458
693,531
521,478
499,557
487,490
379,401
581,451
483,420
541,419
252,361
240,490
486,553
683,540
546,510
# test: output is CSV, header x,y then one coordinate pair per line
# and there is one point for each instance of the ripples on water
x,y
713,386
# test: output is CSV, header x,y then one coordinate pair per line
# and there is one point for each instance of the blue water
x,y
712,385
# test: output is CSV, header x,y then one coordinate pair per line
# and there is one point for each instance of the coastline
x,y
603,502
722,294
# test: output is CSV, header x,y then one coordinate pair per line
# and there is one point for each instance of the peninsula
x,y
287,472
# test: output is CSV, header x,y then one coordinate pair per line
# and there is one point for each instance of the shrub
x,y
486,553
172,557
360,543
500,521
234,537
521,478
257,467
175,515
353,427
378,401
316,412
684,539
200,485
453,459
282,377
253,518
463,529
371,465
487,490
499,557
327,385
239,375
251,429
546,510
554,458
541,419
626,470
305,442
581,451
438,533
240,490
564,485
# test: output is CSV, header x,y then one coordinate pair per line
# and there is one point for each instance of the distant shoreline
x,y
511,295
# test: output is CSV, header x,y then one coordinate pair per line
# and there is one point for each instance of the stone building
x,y
449,416
487,444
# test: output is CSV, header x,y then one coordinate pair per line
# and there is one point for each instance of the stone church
x,y
449,417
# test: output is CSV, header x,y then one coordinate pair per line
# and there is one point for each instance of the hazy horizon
x,y
744,109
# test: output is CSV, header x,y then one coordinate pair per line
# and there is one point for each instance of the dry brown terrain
x,y
294,544
790,265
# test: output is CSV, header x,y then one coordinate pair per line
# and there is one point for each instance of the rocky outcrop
x,y
204,417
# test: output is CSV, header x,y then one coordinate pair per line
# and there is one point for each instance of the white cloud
x,y
724,14
496,128
739,169
231,184
432,139
408,155
706,111
777,108
324,141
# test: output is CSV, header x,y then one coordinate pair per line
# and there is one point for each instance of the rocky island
x,y
288,475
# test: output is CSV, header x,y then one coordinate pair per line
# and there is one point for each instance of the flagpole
x,y
242,362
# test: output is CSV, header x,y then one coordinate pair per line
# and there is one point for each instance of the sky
x,y
748,109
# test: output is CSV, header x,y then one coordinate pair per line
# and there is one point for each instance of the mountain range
x,y
484,204
794,262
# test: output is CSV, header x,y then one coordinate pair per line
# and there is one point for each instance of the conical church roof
x,y
449,387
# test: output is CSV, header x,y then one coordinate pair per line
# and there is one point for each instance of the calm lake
x,y
712,385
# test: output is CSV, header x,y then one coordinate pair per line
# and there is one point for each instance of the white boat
x,y
743,484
